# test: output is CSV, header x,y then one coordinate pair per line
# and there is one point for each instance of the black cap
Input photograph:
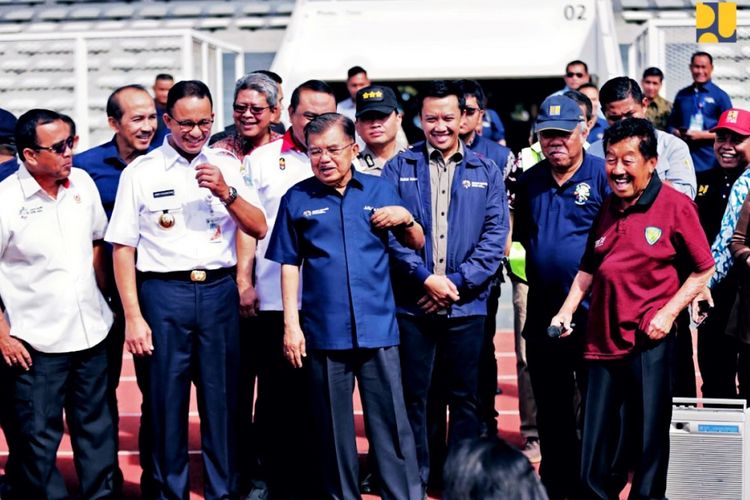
x,y
7,127
376,98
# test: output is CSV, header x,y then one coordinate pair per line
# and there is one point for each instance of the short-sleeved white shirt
x,y
161,186
47,279
273,169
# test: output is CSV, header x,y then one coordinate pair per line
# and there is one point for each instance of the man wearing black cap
x,y
555,205
8,161
378,124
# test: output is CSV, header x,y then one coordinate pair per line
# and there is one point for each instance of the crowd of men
x,y
301,260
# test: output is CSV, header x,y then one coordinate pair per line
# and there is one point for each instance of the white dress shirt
x,y
47,278
161,186
273,169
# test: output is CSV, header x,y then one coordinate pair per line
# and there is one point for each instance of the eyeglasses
x,y
570,74
332,151
470,111
189,125
255,110
59,147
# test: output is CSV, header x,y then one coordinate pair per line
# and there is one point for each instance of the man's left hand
x,y
390,216
249,302
209,176
660,325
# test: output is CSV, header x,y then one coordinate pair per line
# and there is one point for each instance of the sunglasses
x,y
254,110
58,147
470,111
570,74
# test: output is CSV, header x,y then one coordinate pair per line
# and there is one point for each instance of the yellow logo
x,y
554,110
652,234
716,22
732,116
372,95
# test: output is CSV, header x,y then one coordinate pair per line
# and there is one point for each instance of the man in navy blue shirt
x,y
441,291
8,161
555,205
697,109
132,115
338,226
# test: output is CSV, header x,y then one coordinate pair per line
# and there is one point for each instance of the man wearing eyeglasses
x,y
337,228
51,227
180,207
281,411
441,291
255,104
131,114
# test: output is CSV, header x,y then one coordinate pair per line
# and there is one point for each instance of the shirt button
x,y
442,236
443,191
442,213
441,261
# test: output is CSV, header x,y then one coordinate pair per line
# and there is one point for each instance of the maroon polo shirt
x,y
639,258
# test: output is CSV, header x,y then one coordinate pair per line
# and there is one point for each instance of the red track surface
x,y
130,399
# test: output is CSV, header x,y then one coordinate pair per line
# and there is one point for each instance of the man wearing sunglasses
x,y
280,406
180,207
51,227
576,74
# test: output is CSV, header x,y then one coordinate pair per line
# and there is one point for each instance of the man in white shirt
x,y
356,78
180,207
280,407
56,319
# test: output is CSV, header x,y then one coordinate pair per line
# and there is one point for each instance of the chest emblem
x,y
652,234
702,189
282,163
582,193
600,242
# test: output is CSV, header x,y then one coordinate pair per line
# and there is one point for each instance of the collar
x,y
29,185
647,197
355,182
703,87
290,143
172,157
457,157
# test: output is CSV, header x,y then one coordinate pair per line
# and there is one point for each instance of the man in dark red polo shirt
x,y
646,240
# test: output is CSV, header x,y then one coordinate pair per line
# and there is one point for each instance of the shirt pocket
x,y
164,217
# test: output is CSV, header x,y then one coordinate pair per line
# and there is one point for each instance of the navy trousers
x,y
77,383
458,343
643,384
195,329
332,375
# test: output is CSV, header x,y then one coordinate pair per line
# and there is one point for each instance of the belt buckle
x,y
198,275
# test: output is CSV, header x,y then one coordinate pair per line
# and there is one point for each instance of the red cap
x,y
736,120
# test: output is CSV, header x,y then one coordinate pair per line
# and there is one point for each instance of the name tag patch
x,y
24,213
407,179
163,194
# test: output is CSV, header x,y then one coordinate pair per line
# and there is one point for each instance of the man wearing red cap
x,y
721,191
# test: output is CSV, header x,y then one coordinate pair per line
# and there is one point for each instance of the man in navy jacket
x,y
441,291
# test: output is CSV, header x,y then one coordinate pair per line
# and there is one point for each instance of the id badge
x,y
214,230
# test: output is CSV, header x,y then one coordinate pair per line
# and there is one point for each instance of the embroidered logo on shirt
x,y
582,193
319,211
407,179
702,189
652,234
25,212
282,163
475,184
77,198
600,242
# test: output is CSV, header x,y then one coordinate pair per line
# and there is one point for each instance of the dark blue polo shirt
x,y
347,301
553,222
711,102
490,150
7,168
161,128
104,165
597,131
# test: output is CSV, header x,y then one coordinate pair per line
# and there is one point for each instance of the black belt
x,y
194,276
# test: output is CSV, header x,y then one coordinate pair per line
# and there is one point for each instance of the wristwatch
x,y
232,196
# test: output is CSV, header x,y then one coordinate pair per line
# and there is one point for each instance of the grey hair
x,y
260,83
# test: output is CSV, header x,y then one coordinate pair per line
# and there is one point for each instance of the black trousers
x,y
114,346
643,384
558,378
282,424
332,376
457,342
77,383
